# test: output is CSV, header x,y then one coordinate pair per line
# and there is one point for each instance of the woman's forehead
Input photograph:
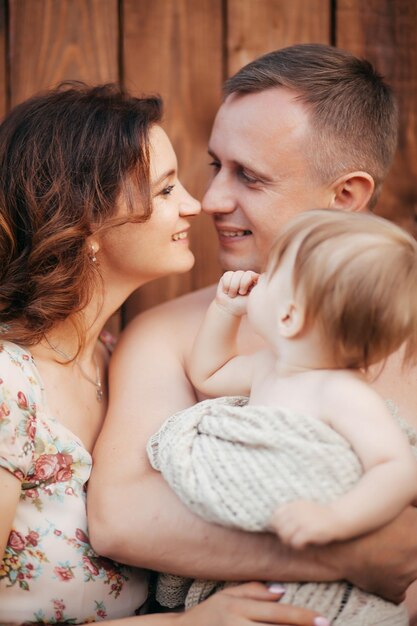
x,y
163,160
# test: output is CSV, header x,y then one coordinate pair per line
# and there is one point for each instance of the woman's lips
x,y
180,236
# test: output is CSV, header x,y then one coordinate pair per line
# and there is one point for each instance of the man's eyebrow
x,y
261,176
257,174
163,176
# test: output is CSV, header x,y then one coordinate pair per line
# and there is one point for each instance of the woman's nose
x,y
188,204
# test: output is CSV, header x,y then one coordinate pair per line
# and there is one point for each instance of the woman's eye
x,y
215,165
166,191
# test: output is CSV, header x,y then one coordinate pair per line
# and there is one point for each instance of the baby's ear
x,y
291,320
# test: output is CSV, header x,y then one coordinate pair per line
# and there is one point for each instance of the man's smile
x,y
233,233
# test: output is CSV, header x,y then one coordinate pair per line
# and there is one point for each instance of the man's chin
x,y
232,262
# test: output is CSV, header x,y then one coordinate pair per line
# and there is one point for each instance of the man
x,y
304,127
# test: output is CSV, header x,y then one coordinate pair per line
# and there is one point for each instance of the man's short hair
x,y
353,112
355,275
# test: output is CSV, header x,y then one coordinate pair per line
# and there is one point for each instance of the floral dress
x,y
50,574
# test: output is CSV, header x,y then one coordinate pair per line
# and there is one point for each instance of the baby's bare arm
x,y
216,368
389,482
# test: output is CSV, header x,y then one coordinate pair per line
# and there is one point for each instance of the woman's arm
x,y
10,494
252,603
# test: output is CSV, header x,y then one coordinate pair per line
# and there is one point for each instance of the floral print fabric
x,y
50,573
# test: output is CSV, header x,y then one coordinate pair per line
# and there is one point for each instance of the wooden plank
x,y
259,26
385,32
3,57
52,40
56,40
174,47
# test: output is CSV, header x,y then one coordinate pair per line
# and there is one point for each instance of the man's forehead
x,y
254,128
272,104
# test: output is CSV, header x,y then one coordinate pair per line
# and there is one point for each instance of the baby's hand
x,y
303,522
233,289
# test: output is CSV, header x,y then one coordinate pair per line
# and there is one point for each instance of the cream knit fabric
x,y
233,464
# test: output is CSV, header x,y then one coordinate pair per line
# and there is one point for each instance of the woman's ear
x,y
352,191
291,320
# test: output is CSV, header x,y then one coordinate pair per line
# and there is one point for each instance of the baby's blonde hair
x,y
356,275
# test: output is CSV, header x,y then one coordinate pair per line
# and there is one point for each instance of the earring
x,y
93,254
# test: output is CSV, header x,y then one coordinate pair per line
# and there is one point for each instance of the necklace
x,y
97,382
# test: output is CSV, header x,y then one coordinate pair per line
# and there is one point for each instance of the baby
x,y
339,294
314,454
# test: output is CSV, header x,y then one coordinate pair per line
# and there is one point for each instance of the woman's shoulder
x,y
20,394
13,351
20,384
17,364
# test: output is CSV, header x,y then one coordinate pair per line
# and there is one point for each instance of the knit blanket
x,y
233,464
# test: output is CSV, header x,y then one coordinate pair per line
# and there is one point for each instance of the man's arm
x,y
383,562
411,603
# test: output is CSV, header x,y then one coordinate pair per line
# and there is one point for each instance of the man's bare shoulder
x,y
169,329
175,319
396,381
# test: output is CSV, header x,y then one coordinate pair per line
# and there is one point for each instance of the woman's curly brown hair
x,y
66,156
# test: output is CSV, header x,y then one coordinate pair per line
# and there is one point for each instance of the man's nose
x,y
219,197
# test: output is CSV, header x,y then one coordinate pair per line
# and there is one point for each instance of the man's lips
x,y
232,233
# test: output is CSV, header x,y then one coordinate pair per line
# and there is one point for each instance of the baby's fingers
x,y
238,283
225,282
248,280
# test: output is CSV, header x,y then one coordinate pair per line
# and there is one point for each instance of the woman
x,y
91,209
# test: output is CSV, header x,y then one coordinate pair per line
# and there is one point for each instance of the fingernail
x,y
276,588
321,621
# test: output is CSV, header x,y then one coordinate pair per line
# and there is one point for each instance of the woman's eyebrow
x,y
166,174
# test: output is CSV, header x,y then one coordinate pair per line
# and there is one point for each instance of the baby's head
x,y
354,277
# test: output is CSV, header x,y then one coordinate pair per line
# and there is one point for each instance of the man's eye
x,y
246,178
166,191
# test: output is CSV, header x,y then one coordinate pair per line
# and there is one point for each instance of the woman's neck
x,y
107,298
64,338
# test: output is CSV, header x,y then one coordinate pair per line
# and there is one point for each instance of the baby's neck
x,y
303,354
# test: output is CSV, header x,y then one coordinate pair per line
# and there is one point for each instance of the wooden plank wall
x,y
183,49
385,32
3,57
